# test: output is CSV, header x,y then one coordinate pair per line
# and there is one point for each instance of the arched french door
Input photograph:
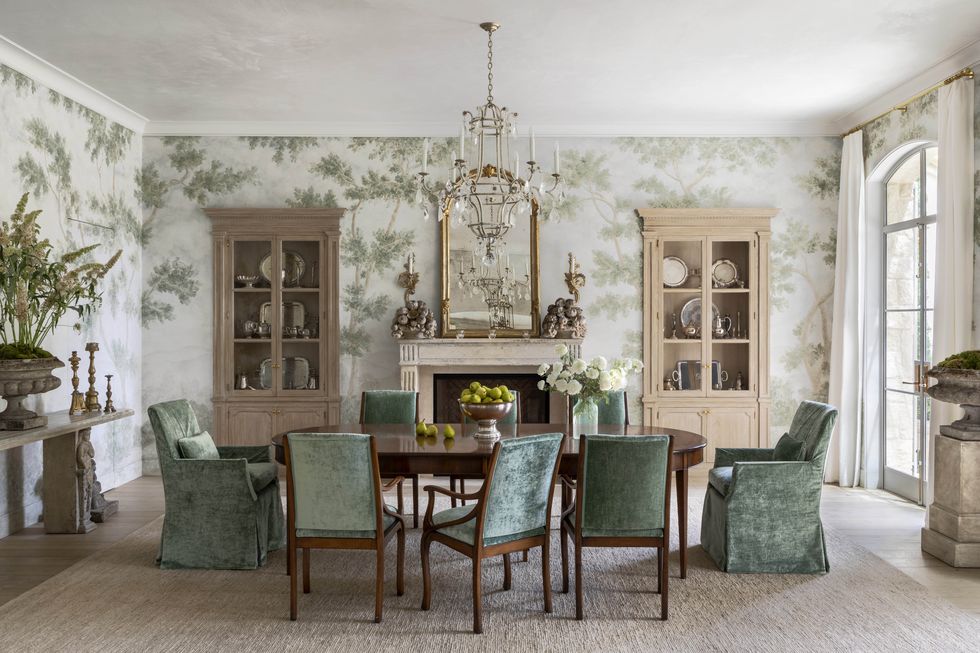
x,y
908,271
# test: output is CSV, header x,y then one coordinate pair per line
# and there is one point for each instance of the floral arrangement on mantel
x,y
36,290
588,381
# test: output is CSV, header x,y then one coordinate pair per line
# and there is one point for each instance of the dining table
x,y
402,452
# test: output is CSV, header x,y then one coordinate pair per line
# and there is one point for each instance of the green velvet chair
x,y
763,515
614,411
394,407
219,514
334,501
621,499
511,418
512,513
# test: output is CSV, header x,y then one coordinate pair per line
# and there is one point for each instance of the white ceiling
x,y
574,66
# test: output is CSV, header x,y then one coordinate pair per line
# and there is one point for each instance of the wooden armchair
x,y
354,517
512,513
394,407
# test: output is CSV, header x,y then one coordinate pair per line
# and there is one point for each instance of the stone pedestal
x,y
953,535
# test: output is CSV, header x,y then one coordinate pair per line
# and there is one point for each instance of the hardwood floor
x,y
880,522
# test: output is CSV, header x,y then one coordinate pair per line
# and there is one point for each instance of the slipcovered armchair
x,y
762,507
223,513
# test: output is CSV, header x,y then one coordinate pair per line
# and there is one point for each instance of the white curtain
x,y
953,315
847,337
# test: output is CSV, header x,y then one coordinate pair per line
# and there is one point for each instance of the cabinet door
x,y
299,418
685,419
730,428
249,425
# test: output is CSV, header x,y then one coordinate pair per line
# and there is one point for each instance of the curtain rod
x,y
966,72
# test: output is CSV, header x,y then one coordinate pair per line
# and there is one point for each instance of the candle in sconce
x,y
473,262
532,143
411,263
557,160
517,165
527,266
452,168
462,141
425,155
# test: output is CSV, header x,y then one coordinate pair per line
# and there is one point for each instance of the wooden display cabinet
x,y
696,378
276,321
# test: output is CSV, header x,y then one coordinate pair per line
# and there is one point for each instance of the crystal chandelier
x,y
489,196
499,288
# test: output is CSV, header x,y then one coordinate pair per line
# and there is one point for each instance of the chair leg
x,y
400,579
546,572
306,571
477,598
426,580
290,552
401,500
564,558
379,582
506,571
293,598
579,612
452,488
525,555
660,576
415,501
462,490
666,581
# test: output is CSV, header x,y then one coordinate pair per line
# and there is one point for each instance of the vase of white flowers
x,y
585,383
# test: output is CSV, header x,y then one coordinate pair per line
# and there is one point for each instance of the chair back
x,y
389,407
615,410
513,417
520,484
171,421
813,425
623,483
334,484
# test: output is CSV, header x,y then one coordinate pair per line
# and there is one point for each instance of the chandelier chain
x,y
490,67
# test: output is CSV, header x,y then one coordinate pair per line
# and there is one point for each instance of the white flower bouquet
x,y
587,381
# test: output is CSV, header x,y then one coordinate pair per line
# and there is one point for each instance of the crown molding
x,y
438,129
56,79
963,58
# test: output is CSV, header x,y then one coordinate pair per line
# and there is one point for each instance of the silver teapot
x,y
721,326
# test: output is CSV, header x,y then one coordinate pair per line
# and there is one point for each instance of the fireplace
x,y
481,359
535,404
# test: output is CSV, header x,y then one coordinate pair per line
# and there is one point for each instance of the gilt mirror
x,y
490,272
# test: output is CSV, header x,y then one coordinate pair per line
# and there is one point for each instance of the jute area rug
x,y
118,600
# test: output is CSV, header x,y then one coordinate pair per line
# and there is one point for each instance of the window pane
x,y
930,265
901,280
932,175
901,430
902,192
901,348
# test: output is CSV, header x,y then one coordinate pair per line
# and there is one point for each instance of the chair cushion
x,y
789,448
612,532
720,478
465,532
261,474
387,520
198,447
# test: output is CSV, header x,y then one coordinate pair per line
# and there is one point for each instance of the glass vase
x,y
585,417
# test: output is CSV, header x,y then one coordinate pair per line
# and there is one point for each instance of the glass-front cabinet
x,y
276,321
705,288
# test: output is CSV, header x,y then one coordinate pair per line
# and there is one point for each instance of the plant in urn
x,y
37,291
959,383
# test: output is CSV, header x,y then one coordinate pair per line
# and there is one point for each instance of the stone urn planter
x,y
958,386
19,378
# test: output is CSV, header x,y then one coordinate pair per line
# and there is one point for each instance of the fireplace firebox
x,y
535,403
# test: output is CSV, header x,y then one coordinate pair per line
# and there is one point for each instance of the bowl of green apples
x,y
486,406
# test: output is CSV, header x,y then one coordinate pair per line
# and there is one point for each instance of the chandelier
x,y
498,289
487,193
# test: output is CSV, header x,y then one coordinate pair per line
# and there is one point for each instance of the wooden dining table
x,y
402,452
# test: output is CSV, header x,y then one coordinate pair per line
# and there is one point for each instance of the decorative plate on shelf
x,y
675,272
293,267
724,273
691,313
295,373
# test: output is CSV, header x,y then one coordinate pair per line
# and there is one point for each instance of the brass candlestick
x,y
92,396
77,398
574,278
109,408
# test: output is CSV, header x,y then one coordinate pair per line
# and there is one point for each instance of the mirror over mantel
x,y
490,276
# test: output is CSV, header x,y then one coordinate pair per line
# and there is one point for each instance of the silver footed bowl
x,y
486,416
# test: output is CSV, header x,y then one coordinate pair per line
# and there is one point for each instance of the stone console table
x,y
72,493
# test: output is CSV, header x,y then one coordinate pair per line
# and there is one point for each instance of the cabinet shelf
x,y
677,291
729,291
300,290
731,341
253,290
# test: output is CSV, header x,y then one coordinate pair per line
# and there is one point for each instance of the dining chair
x,y
762,506
394,407
334,501
621,499
512,513
513,417
614,411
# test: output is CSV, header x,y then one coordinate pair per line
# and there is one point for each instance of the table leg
x,y
68,478
682,518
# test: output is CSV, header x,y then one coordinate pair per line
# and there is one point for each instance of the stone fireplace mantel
x,y
419,360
